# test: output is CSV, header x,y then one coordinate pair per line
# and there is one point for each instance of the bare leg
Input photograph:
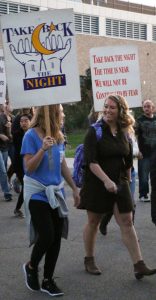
x,y
128,233
90,232
89,235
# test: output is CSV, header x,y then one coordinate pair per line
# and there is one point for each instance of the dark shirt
x,y
17,141
146,133
3,130
113,154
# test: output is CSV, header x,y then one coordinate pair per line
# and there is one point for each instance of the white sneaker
x,y
144,199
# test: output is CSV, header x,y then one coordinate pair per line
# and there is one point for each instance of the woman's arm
x,y
31,162
108,183
3,137
67,176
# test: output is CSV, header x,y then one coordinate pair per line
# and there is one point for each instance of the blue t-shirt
x,y
48,172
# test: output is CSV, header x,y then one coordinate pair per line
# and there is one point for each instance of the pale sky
x,y
145,2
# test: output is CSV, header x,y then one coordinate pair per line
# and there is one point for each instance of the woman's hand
x,y
140,156
48,141
76,196
110,186
108,183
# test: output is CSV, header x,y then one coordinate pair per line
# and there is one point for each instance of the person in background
x,y
146,135
16,123
15,128
18,161
153,186
5,137
93,116
106,183
45,207
10,116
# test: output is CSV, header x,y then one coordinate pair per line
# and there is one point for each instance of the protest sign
x,y
115,70
2,78
40,55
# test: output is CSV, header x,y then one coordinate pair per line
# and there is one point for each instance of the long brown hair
x,y
125,119
55,121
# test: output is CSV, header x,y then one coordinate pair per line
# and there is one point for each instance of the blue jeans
x,y
132,184
3,172
143,174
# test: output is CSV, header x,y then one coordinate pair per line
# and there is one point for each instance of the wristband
x,y
43,149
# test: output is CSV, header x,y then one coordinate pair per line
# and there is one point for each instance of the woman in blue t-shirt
x,y
45,167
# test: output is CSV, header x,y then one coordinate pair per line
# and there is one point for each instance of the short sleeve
x,y
28,143
90,147
129,157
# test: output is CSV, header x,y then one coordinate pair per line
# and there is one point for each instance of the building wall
x,y
147,61
146,49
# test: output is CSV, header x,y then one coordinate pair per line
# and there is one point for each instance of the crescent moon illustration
x,y
36,41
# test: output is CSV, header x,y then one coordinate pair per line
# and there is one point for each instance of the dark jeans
x,y
153,187
48,225
143,174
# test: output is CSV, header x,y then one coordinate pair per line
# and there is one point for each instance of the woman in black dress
x,y
106,182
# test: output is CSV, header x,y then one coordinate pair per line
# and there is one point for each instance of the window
x,y
154,33
129,31
108,27
3,8
10,7
78,23
125,29
143,31
122,29
115,28
13,8
86,24
94,25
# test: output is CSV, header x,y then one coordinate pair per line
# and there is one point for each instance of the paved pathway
x,y
117,281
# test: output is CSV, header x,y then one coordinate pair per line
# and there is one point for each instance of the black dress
x,y
114,155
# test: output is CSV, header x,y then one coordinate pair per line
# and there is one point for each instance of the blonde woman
x,y
106,183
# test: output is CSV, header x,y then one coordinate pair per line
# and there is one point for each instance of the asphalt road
x,y
117,281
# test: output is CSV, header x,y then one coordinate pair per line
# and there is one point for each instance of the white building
x,y
105,22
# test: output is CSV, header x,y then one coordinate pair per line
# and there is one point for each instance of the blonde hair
x,y
93,115
54,118
125,119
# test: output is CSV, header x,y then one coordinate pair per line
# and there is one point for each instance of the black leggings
x,y
48,225
20,200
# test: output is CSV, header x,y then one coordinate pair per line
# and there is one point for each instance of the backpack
x,y
79,164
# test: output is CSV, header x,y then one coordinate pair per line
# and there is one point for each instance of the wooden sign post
x,y
47,120
48,133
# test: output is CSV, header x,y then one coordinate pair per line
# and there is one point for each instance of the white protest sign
x,y
2,78
40,55
115,70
